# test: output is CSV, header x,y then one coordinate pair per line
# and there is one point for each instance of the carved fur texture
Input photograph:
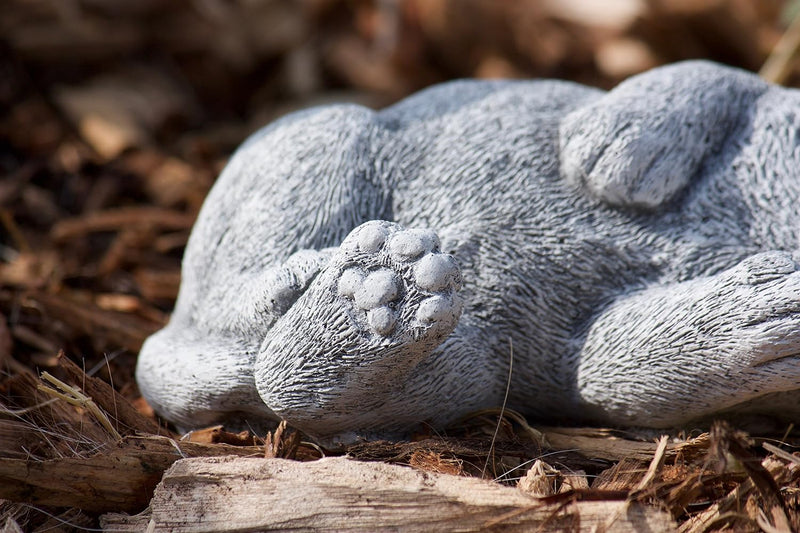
x,y
636,252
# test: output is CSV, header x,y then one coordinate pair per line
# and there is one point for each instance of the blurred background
x,y
117,116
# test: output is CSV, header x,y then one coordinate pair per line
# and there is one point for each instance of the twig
x,y
781,522
21,412
644,484
783,454
502,409
272,442
119,218
317,447
778,65
724,509
655,466
75,397
8,222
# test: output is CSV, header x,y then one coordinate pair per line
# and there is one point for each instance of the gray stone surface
x,y
635,251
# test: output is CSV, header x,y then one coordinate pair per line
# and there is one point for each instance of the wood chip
x,y
158,284
119,329
720,513
540,481
120,218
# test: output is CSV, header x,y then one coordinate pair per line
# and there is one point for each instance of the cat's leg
x,y
385,301
196,377
643,142
289,193
672,354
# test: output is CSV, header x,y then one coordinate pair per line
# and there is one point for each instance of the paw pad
x,y
371,293
397,280
371,238
350,282
439,308
410,244
368,238
436,272
378,288
382,320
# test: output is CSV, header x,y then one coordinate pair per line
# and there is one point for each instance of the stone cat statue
x,y
635,252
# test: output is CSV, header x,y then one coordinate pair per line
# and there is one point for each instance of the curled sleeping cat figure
x,y
361,272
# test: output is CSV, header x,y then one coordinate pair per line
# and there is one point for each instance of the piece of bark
x,y
122,478
602,444
401,452
719,30
625,475
16,438
117,407
39,426
30,270
218,435
121,218
613,15
155,284
244,494
576,481
119,329
466,455
126,249
122,107
623,57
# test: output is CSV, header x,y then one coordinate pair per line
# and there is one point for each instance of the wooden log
x,y
245,494
120,479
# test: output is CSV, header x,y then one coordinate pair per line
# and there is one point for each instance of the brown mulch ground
x,y
116,118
